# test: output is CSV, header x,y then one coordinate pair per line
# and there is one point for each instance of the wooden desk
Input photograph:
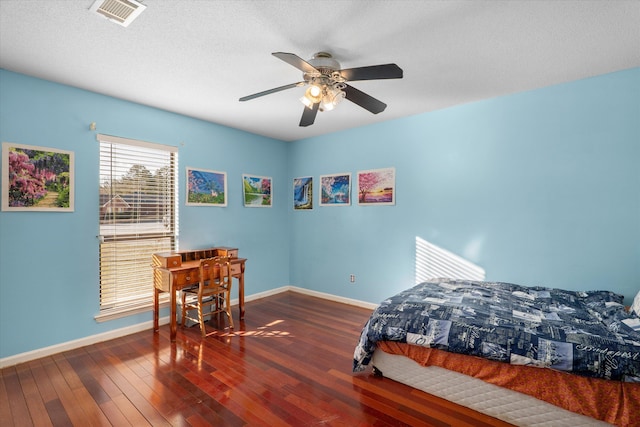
x,y
172,279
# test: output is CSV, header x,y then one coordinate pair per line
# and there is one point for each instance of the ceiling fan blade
x,y
309,115
372,72
367,102
275,89
296,61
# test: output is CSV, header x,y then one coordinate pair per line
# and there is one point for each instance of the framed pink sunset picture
x,y
377,187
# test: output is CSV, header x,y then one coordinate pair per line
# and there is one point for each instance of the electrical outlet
x,y
352,278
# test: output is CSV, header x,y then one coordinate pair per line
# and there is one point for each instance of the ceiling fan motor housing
x,y
326,65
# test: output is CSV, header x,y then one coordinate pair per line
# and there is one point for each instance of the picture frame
x,y
37,178
335,189
257,191
303,193
377,187
206,187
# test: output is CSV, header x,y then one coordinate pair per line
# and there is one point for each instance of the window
x,y
138,217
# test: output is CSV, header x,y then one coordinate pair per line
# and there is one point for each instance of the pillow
x,y
635,307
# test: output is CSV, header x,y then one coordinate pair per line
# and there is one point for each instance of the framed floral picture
x,y
303,193
37,178
206,187
335,190
257,191
377,187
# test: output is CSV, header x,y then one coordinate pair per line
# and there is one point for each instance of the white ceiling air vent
x,y
119,11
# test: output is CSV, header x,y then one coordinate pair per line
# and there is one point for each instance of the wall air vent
x,y
121,12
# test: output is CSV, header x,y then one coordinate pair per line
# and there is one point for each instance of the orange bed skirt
x,y
612,401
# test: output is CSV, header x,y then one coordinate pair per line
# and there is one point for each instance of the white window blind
x,y
138,217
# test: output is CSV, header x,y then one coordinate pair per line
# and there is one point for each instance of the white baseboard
x,y
335,298
309,292
116,333
264,294
80,342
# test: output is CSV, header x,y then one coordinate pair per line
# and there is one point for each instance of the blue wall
x,y
540,188
49,260
537,188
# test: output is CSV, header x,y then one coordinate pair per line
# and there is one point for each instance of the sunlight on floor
x,y
263,331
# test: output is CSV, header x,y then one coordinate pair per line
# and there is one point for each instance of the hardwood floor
x,y
287,364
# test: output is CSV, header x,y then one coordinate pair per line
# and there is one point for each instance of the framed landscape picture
x,y
335,190
257,191
206,187
377,187
303,193
37,178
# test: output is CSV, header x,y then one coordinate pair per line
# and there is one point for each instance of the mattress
x,y
507,405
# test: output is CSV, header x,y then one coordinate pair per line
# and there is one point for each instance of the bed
x,y
531,356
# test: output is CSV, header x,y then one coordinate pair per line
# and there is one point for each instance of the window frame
x,y
127,239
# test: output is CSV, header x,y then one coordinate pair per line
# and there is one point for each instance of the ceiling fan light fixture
x,y
307,102
314,91
313,95
332,97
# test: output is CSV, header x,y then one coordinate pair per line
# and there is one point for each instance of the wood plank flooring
x,y
287,364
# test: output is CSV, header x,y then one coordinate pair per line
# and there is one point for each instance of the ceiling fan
x,y
328,84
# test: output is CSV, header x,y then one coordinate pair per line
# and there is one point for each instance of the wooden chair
x,y
214,290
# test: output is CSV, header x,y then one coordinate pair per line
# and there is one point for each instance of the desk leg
x,y
156,308
241,293
172,320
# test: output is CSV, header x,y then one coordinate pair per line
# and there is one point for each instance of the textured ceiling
x,y
198,57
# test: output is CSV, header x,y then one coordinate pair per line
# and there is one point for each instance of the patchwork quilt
x,y
586,333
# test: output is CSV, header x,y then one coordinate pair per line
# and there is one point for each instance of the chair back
x,y
215,273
